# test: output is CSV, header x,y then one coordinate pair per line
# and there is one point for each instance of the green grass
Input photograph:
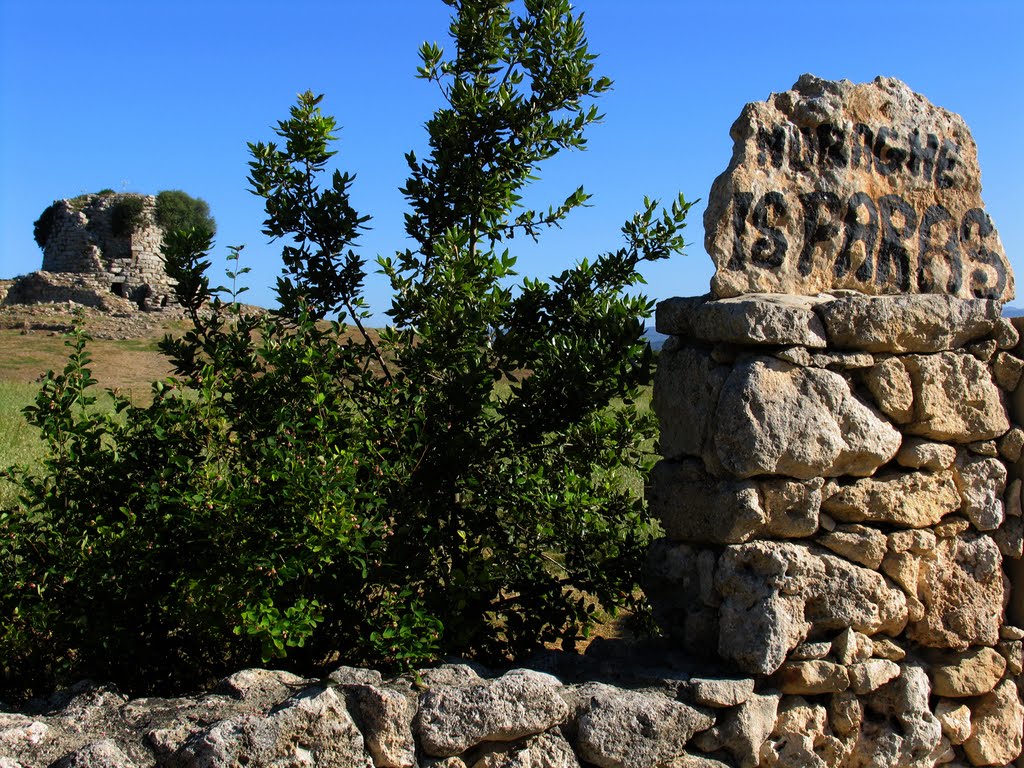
x,y
19,443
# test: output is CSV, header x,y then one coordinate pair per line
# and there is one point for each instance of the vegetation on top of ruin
x,y
174,209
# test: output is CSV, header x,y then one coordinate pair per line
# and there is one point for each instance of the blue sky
x,y
143,96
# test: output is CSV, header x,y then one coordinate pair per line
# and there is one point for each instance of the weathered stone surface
x,y
906,324
885,648
801,737
870,675
686,388
970,673
917,453
997,727
776,418
447,675
808,678
849,647
721,691
1013,652
758,319
628,729
694,506
261,687
955,717
385,719
313,728
1007,370
867,187
859,543
845,713
355,676
1012,444
520,703
774,592
901,730
892,390
810,651
961,587
742,731
981,482
955,399
912,499
548,750
99,754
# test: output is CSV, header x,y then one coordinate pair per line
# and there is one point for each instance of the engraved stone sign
x,y
869,187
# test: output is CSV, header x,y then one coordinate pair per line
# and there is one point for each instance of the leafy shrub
x,y
106,192
304,488
126,215
43,226
178,210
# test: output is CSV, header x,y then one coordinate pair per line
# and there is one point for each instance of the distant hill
x,y
1009,311
658,339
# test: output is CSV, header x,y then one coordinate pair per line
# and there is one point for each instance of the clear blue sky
x,y
145,96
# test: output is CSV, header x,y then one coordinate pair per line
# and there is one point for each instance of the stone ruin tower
x,y
841,483
88,258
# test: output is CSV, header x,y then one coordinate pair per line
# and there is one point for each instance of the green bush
x,y
310,489
177,210
43,226
126,215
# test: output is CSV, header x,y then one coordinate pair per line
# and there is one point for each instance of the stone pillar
x,y
840,490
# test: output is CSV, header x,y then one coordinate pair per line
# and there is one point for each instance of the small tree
x,y
178,210
452,484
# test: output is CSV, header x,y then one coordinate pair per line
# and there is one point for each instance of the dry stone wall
x,y
841,483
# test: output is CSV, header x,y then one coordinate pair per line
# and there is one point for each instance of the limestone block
x,y
721,692
1009,537
969,673
859,543
809,678
312,728
385,718
955,399
872,674
694,506
742,731
686,388
1011,444
981,483
892,390
547,750
955,718
629,729
961,587
753,319
912,499
885,648
1013,652
262,688
1007,370
811,651
1006,333
845,713
773,593
858,186
849,647
802,736
518,704
997,727
776,418
900,729
917,453
906,324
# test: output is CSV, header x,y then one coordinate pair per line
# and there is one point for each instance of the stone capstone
x,y
869,187
768,319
